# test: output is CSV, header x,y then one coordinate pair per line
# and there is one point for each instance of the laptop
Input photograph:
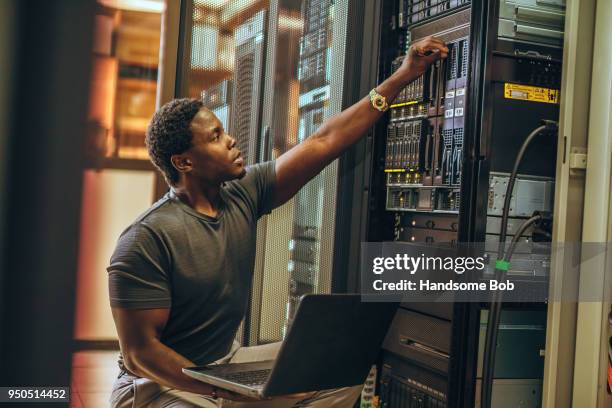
x,y
332,343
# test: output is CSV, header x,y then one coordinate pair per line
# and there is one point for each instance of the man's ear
x,y
181,163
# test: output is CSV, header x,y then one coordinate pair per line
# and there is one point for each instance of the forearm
x,y
163,365
345,128
335,135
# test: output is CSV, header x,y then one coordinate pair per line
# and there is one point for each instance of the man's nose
x,y
231,142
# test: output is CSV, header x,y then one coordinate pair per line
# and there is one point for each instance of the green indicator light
x,y
502,265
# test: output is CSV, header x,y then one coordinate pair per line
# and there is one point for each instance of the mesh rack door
x,y
272,71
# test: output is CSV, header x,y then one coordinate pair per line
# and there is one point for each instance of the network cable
x,y
548,127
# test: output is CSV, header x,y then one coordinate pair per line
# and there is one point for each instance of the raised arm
x,y
304,161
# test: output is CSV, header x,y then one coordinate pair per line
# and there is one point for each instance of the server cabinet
x,y
439,164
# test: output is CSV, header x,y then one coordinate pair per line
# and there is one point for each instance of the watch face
x,y
378,101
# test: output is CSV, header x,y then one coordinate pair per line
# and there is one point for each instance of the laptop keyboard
x,y
250,378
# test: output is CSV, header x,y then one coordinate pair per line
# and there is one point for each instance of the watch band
x,y
378,101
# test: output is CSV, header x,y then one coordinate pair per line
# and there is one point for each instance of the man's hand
x,y
420,56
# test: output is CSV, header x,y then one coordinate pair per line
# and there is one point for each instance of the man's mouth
x,y
239,159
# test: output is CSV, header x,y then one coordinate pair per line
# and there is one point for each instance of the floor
x,y
93,374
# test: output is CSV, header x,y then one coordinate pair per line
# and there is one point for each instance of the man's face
x,y
214,156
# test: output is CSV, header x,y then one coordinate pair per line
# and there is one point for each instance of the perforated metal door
x,y
273,71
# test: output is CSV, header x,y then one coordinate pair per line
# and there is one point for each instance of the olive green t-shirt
x,y
200,267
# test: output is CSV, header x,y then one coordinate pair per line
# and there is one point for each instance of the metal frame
x,y
368,78
349,204
569,201
168,70
589,333
475,185
183,39
483,34
7,33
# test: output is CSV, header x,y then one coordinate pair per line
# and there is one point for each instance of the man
x,y
180,276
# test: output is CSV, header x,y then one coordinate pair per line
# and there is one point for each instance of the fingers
x,y
433,40
434,56
430,48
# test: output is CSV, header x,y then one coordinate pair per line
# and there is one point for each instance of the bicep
x,y
138,327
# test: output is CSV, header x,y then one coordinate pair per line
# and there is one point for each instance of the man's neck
x,y
204,198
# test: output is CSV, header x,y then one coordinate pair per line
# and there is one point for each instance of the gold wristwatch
x,y
379,102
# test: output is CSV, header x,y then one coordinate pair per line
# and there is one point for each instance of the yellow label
x,y
395,170
531,93
397,105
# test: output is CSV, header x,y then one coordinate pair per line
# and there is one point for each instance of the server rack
x,y
249,66
417,197
435,163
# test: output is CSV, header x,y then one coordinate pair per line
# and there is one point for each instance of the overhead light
x,y
289,22
150,6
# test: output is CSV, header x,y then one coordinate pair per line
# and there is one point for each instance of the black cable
x,y
495,307
521,230
493,319
506,210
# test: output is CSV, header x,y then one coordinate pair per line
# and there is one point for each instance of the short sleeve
x,y
137,274
258,184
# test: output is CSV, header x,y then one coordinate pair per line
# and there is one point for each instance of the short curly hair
x,y
169,133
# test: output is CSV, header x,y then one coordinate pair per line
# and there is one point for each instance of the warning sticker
x,y
531,93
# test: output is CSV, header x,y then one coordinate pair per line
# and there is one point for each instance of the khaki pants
x,y
133,392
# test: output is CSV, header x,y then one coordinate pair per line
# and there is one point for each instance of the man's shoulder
x,y
161,215
147,233
254,190
254,175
